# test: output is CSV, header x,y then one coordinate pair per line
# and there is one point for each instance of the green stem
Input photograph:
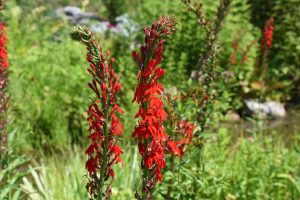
x,y
105,151
171,180
145,177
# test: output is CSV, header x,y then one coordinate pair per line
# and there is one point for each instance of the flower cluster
x,y
232,56
3,85
150,131
3,51
105,127
186,130
235,58
266,42
182,130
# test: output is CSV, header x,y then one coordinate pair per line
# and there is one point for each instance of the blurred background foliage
x,y
285,53
49,96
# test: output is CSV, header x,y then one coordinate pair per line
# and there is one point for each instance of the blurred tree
x,y
261,12
114,9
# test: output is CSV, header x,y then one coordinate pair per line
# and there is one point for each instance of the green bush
x,y
182,51
47,79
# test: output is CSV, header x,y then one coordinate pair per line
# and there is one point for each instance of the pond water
x,y
286,127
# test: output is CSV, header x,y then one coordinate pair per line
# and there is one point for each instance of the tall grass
x,y
62,176
254,167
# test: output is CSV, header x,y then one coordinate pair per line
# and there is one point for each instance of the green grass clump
x,y
254,167
232,167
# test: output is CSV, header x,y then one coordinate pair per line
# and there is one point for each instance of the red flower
x,y
268,34
235,46
150,132
3,51
3,83
232,58
105,126
186,129
185,134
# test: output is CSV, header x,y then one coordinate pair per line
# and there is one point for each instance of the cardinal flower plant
x,y
3,86
105,127
153,141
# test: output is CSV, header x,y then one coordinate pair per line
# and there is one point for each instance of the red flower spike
x,y
3,87
3,51
152,139
105,126
266,42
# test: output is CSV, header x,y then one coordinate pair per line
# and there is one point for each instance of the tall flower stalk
x,y
152,138
266,42
3,85
207,70
105,127
265,45
206,63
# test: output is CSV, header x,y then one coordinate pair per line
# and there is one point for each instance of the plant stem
x,y
145,194
171,180
145,176
105,150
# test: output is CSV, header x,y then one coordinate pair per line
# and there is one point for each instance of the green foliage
x,y
48,72
49,79
182,51
285,54
58,177
256,166
231,167
12,172
284,59
62,177
114,9
11,176
236,82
